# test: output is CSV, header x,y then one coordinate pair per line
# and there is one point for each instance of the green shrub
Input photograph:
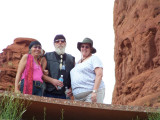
x,y
150,116
11,108
62,115
154,116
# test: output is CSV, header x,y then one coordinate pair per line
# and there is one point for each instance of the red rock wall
x,y
9,60
137,52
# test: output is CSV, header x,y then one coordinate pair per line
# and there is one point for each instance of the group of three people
x,y
84,78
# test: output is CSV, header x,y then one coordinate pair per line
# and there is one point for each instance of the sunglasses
x,y
85,47
39,47
61,40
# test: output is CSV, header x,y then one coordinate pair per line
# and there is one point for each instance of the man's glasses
x,y
60,40
39,47
85,47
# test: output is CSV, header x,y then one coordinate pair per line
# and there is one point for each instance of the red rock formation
x,y
137,52
9,60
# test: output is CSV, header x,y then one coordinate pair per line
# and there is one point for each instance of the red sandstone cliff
x,y
9,60
137,52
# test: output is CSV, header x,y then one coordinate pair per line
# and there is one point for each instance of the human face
x,y
36,50
60,45
85,50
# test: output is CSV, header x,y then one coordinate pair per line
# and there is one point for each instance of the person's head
x,y
86,47
60,44
35,48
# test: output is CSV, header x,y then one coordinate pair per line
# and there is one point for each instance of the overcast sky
x,y
76,19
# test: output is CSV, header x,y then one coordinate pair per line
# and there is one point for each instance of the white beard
x,y
60,50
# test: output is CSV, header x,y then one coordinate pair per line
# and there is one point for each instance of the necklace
x,y
85,58
61,60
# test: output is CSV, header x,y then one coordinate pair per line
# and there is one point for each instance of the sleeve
x,y
96,62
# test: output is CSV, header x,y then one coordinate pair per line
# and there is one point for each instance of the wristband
x,y
94,91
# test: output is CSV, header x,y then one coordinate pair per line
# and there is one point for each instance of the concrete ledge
x,y
76,110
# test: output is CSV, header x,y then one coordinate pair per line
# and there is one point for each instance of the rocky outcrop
x,y
9,60
137,52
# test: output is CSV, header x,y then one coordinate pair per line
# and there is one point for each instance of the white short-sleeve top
x,y
83,75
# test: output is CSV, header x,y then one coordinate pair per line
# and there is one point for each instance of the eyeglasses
x,y
39,47
61,40
85,47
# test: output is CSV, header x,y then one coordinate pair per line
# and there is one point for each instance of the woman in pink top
x,y
30,72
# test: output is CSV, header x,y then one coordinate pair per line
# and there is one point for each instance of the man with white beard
x,y
58,63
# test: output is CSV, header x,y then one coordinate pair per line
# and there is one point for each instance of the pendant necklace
x,y
61,61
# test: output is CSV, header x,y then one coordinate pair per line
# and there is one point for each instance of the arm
x,y
98,78
70,94
44,65
46,78
21,67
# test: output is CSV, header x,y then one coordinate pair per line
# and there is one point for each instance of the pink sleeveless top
x,y
37,73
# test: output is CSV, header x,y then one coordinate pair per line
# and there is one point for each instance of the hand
x,y
94,97
45,72
69,93
17,91
57,83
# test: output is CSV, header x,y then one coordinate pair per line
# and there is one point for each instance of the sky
x,y
75,19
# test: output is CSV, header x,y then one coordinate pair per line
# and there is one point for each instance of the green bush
x,y
154,116
11,108
150,116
